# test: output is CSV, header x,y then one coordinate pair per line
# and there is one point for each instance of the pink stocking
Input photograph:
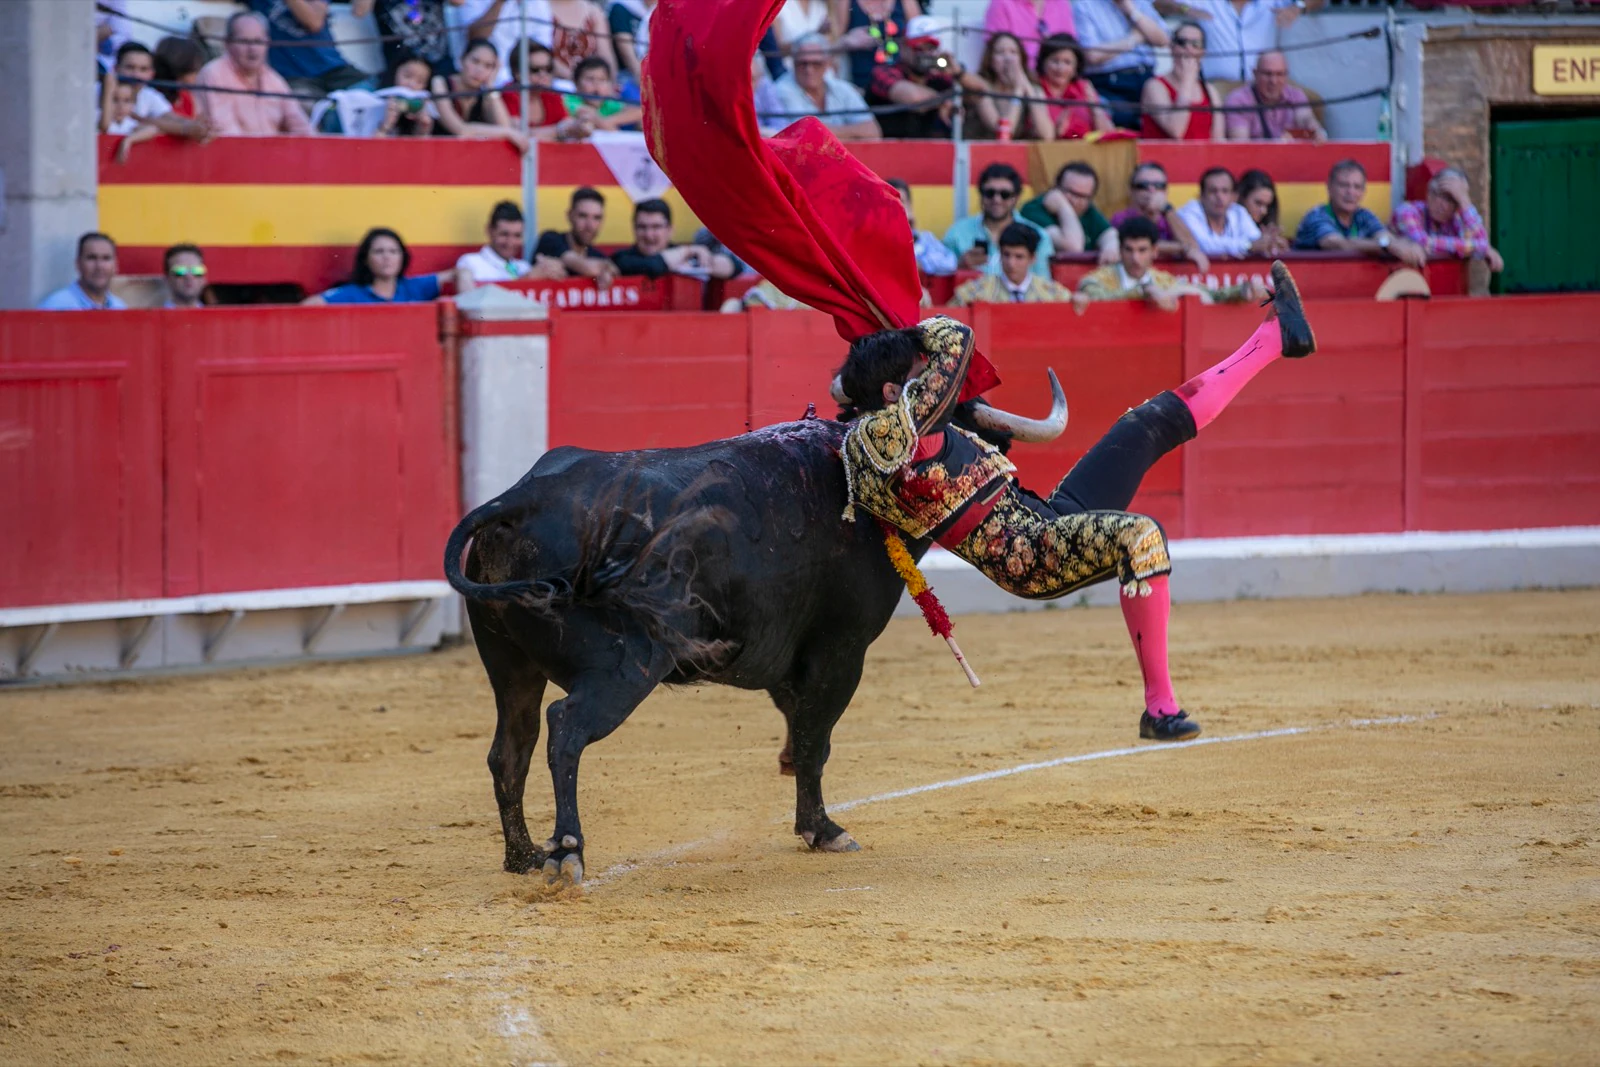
x,y
1146,617
1210,391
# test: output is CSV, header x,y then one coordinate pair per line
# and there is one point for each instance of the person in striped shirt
x,y
1446,223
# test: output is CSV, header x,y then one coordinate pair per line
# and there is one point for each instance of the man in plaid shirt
x,y
1446,223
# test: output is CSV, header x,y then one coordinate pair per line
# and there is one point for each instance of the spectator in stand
x,y
1220,225
412,113
110,31
872,33
178,60
134,67
1149,200
501,259
574,30
976,238
1134,277
798,19
1067,214
1182,105
468,107
184,268
1259,197
119,118
241,70
630,38
1018,115
924,76
933,258
1119,39
1446,224
547,109
596,101
1061,78
1276,110
812,88
1239,30
1030,21
575,249
97,268
414,29
1343,225
303,51
380,276
1017,282
653,254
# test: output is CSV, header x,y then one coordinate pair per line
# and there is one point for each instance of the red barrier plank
x,y
647,379
1501,427
80,456
316,161
1312,446
306,446
793,358
1110,358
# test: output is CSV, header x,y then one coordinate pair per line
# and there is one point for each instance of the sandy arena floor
x,y
302,865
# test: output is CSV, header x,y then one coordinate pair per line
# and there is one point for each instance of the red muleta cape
x,y
797,207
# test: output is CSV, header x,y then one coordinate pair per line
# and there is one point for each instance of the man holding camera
x,y
924,73
976,238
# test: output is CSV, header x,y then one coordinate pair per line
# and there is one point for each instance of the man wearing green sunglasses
x,y
185,270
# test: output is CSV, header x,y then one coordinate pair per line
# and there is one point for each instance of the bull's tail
x,y
455,548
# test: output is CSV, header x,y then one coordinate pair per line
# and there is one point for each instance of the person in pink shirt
x,y
244,66
1030,20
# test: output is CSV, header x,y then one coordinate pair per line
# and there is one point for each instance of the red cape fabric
x,y
797,207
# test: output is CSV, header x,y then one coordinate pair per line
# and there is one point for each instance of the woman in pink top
x,y
1031,20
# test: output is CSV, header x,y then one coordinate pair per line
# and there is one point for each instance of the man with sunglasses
x,y
1148,186
184,267
976,238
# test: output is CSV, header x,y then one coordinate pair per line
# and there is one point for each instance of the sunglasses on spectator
x,y
1189,42
1147,186
541,70
187,272
996,193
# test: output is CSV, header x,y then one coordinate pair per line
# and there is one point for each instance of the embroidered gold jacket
x,y
923,498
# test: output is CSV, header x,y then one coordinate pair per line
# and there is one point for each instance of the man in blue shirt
x,y
97,266
976,238
814,90
1343,225
302,45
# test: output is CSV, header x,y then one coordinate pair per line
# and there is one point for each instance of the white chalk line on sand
x,y
666,856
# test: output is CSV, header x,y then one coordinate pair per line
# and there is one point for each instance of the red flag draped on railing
x,y
797,207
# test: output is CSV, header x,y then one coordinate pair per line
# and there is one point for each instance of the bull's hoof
x,y
523,862
564,861
840,842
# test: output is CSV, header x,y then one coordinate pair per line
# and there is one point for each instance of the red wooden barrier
x,y
80,457
670,293
305,448
793,358
1501,423
647,379
1313,446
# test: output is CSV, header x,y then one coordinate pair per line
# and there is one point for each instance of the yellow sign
x,y
1566,69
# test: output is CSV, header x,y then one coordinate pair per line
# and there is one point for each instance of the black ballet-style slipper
x,y
1298,340
1177,727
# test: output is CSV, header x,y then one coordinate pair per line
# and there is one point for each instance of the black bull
x,y
612,573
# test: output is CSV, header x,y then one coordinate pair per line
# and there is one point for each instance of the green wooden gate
x,y
1546,182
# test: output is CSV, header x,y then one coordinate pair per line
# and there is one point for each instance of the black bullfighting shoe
x,y
1177,727
1298,340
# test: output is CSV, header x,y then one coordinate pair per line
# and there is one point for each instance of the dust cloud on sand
x,y
302,864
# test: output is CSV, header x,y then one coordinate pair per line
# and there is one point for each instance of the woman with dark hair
x,y
379,275
1259,197
1061,78
468,104
1024,116
179,59
1182,105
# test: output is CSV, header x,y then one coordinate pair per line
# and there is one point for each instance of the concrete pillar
x,y
47,144
505,390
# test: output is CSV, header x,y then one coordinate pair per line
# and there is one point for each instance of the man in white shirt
x,y
1237,31
97,266
501,259
1221,226
813,89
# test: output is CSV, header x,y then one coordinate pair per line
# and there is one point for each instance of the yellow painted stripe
x,y
315,215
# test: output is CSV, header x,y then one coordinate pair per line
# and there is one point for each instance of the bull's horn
x,y
837,389
1021,429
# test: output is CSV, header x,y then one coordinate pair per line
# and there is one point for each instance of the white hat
x,y
928,27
